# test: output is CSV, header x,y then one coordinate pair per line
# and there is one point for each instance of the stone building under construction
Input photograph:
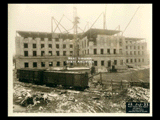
x,y
42,50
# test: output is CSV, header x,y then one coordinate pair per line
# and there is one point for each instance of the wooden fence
x,y
116,85
140,84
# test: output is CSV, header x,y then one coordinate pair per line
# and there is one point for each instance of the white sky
x,y
37,17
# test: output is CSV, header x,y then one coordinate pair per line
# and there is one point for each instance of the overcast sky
x,y
37,17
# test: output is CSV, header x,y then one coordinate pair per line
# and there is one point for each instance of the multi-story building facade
x,y
107,48
42,50
39,50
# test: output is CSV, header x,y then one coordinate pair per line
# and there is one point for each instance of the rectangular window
x,y
71,64
42,45
139,60
143,60
34,53
131,60
25,45
34,64
126,60
126,47
49,39
114,51
26,65
120,51
64,53
120,43
121,62
109,63
95,51
64,45
57,46
142,52
108,51
42,64
34,45
101,51
134,47
135,60
102,63
50,53
142,47
50,64
134,52
138,52
130,52
88,51
25,53
115,62
130,47
126,52
95,42
138,47
95,63
57,39
50,45
71,46
71,53
64,63
58,63
57,52
42,53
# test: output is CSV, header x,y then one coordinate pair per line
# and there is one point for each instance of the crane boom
x,y
130,20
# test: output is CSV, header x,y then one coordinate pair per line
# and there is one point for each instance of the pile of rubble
x,y
92,100
27,98
138,94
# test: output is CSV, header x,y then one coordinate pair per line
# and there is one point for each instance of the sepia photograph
x,y
80,59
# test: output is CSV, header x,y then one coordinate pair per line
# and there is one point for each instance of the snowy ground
x,y
71,101
92,100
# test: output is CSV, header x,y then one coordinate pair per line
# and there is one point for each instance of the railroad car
x,y
77,80
74,79
30,75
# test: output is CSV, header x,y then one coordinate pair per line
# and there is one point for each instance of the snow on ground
x,y
71,101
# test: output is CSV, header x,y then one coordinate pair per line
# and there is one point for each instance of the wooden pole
x,y
112,86
101,77
121,85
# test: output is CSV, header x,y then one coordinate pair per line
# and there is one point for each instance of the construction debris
x,y
94,99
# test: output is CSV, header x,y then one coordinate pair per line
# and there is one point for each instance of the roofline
x,y
116,31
